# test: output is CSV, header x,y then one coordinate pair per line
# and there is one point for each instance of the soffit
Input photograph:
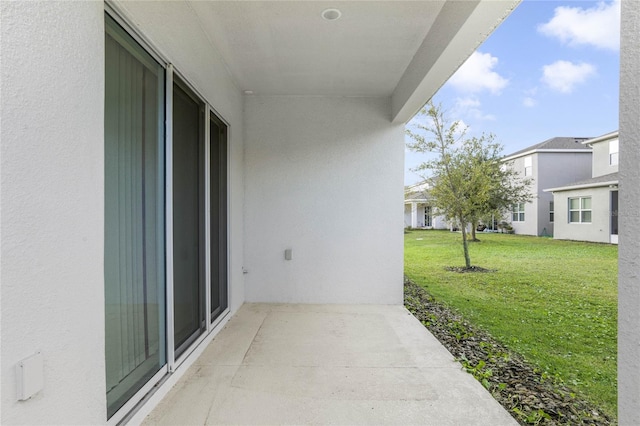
x,y
286,48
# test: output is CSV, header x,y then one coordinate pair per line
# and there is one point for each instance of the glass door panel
x,y
188,217
134,261
218,160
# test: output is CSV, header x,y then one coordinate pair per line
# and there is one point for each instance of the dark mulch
x,y
530,396
463,269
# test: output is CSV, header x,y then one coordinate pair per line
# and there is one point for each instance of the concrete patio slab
x,y
327,364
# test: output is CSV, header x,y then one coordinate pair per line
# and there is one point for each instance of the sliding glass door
x,y
134,256
218,207
165,210
189,261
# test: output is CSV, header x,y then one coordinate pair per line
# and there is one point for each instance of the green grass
x,y
554,302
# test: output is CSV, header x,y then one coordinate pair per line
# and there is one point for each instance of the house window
x,y
427,216
517,212
580,210
551,211
528,168
613,153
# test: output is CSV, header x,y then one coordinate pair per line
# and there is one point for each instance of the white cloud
x,y
471,107
467,103
598,26
563,76
477,74
529,102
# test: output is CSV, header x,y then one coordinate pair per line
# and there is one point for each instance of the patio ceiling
x,y
287,48
402,49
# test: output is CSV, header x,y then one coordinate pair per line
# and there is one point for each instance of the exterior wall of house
x,y
311,164
436,221
529,225
598,230
601,164
629,251
554,170
407,215
52,184
549,169
440,223
52,208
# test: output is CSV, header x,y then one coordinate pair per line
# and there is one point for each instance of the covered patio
x,y
278,121
326,364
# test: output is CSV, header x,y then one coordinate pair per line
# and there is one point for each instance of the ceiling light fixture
x,y
331,14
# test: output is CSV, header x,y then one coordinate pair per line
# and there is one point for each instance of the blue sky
x,y
551,69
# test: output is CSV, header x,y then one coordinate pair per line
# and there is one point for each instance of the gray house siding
x,y
555,169
600,187
548,169
598,230
601,163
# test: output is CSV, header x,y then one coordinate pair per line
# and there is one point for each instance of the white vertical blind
x,y
134,217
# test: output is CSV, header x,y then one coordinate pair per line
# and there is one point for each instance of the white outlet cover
x,y
30,376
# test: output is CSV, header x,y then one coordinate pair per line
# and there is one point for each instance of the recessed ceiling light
x,y
248,92
331,14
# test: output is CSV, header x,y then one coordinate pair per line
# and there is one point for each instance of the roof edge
x,y
535,151
604,137
583,186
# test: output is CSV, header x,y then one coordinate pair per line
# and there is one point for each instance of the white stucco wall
x,y
629,251
52,185
52,181
324,178
598,230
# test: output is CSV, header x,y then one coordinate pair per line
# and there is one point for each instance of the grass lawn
x,y
554,302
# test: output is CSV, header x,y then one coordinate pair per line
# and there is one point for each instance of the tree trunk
x,y
465,246
474,225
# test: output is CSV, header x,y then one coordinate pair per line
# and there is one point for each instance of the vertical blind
x,y
134,217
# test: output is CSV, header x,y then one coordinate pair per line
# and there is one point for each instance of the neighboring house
x,y
419,212
587,210
162,160
554,162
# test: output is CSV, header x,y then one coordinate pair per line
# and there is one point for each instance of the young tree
x,y
467,178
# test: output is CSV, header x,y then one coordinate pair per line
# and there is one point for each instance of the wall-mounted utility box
x,y
287,254
30,376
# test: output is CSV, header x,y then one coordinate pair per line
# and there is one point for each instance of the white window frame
x,y
517,213
528,166
613,152
552,215
581,210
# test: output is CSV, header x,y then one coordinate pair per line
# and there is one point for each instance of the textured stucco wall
x,y
554,170
550,169
52,184
601,164
629,251
530,224
324,178
598,230
52,83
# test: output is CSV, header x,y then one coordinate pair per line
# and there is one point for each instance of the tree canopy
x,y
468,178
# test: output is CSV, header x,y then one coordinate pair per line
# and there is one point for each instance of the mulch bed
x,y
462,269
530,396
